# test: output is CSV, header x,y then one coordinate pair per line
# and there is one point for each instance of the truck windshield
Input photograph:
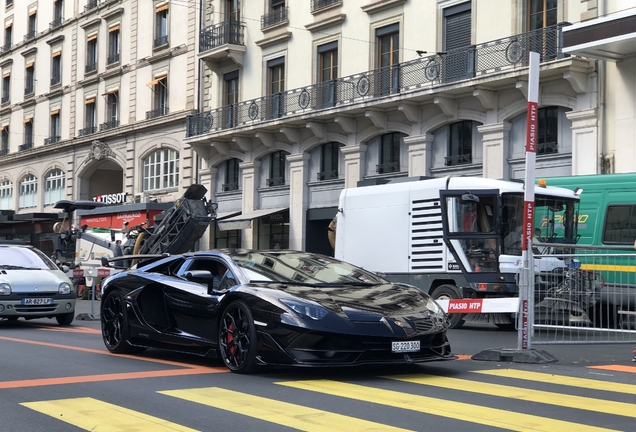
x,y
554,221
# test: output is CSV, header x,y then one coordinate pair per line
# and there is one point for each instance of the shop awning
x,y
226,215
245,220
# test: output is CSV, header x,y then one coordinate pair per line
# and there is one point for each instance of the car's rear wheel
x,y
449,292
237,338
65,319
115,323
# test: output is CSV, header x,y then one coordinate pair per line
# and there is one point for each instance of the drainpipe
x,y
601,80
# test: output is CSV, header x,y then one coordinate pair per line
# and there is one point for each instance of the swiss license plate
x,y
37,301
410,346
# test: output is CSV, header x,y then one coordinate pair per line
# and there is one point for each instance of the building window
x,y
29,80
230,98
227,239
8,37
388,59
233,10
31,26
4,150
459,60
277,168
54,187
90,112
460,143
273,231
278,13
275,87
548,123
56,68
58,13
541,13
28,192
112,110
54,134
231,175
327,74
329,157
161,25
159,88
161,170
6,87
113,44
91,53
389,153
28,135
6,195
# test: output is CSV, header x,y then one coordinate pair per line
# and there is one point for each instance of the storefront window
x,y
273,231
6,195
227,239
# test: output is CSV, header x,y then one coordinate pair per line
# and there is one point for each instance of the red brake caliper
x,y
230,338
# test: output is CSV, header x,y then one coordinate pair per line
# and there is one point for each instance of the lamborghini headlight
x,y
306,309
433,307
5,288
64,288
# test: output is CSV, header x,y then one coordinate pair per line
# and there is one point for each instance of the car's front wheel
x,y
115,323
237,338
65,319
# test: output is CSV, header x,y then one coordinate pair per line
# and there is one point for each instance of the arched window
x,y
277,168
28,192
161,170
54,187
460,144
6,195
390,153
231,175
329,157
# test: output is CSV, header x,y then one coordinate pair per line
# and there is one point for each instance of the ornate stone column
x,y
419,148
250,171
354,163
585,151
495,142
298,193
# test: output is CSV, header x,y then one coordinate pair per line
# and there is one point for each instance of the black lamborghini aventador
x,y
270,308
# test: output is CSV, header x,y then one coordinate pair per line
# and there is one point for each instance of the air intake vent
x,y
427,242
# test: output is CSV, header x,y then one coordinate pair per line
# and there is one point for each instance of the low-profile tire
x,y
449,292
237,338
65,319
115,323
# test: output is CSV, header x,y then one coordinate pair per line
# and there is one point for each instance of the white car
x,y
32,286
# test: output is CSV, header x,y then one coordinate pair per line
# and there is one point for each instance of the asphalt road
x,y
63,379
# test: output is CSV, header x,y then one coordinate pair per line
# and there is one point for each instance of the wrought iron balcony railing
x,y
90,67
161,41
25,146
92,4
547,148
276,181
276,16
319,4
157,112
427,72
89,130
4,151
109,125
227,187
56,23
461,159
388,167
5,99
328,175
6,47
52,139
29,89
113,58
30,35
227,32
56,79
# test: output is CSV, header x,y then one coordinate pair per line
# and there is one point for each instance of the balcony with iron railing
x,y
547,148
482,61
112,59
4,151
52,139
56,23
112,124
89,130
25,146
219,41
275,181
6,47
229,187
29,89
30,35
327,175
157,112
460,159
160,41
91,4
277,16
5,99
56,79
321,4
389,167
91,67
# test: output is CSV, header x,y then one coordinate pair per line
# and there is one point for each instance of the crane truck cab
x,y
453,237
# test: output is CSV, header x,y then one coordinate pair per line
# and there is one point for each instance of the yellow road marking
x,y
94,415
562,380
609,267
281,413
509,392
444,408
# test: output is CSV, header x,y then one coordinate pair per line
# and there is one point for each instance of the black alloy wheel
x,y
115,324
237,338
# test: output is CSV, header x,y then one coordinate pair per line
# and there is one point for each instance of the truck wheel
x,y
449,292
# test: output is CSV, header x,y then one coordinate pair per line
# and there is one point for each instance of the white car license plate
x,y
37,301
410,346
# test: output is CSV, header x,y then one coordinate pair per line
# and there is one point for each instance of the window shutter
x,y
457,29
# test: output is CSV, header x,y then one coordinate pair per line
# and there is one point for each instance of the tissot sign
x,y
116,198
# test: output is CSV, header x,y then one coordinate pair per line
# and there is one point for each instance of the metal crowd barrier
x,y
591,299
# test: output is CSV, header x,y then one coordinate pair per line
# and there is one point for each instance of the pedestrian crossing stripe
x,y
562,380
95,415
440,407
525,394
277,412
